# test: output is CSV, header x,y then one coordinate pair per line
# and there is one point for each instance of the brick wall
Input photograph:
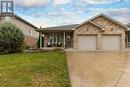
x,y
30,41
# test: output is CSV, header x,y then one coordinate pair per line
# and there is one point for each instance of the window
x,y
30,31
55,38
127,39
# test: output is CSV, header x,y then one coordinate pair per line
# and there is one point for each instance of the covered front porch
x,y
53,39
57,37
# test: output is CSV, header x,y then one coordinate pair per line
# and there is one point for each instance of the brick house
x,y
27,28
98,33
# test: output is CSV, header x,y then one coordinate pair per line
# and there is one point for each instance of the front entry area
x,y
87,43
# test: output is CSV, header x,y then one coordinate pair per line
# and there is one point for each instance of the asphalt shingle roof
x,y
60,28
19,18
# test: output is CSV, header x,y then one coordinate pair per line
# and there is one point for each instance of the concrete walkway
x,y
99,69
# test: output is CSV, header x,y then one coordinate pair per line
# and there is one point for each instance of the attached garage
x,y
100,33
87,43
111,42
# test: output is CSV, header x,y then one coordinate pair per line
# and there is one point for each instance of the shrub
x,y
38,42
11,38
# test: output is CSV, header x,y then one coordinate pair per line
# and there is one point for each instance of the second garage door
x,y
87,43
111,42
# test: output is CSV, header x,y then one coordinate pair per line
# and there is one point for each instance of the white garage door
x,y
87,43
111,43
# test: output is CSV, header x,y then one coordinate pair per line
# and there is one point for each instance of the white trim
x,y
91,23
102,28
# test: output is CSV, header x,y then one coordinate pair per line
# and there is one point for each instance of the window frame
x,y
55,38
30,32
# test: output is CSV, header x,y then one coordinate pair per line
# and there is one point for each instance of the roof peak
x,y
106,16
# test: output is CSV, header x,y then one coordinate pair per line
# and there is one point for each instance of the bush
x,y
11,38
38,42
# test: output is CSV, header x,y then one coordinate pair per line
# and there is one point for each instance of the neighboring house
x,y
98,33
27,28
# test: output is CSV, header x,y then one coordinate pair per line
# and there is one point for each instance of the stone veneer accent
x,y
111,28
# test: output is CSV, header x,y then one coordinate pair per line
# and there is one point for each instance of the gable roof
x,y
102,28
19,18
59,28
104,15
23,20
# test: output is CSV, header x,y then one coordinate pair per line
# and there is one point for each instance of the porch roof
x,y
128,25
58,28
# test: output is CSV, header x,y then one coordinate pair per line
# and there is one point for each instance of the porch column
x,y
64,40
40,37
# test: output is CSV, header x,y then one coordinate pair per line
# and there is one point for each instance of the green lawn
x,y
47,69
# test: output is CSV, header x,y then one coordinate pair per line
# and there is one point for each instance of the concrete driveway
x,y
99,69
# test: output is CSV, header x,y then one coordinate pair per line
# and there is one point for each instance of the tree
x,y
11,38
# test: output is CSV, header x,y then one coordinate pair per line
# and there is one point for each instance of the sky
x,y
48,13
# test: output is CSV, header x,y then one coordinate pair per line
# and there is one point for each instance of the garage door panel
x,y
111,42
87,43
